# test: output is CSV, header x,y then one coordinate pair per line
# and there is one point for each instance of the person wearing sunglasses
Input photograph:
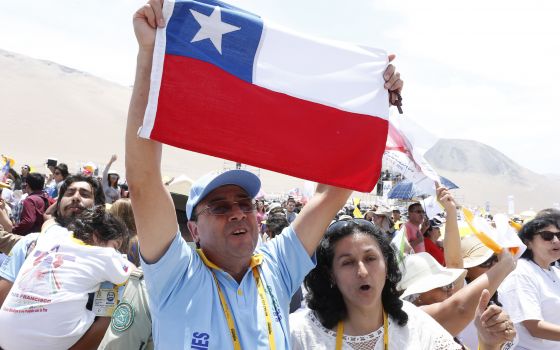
x,y
431,286
414,229
229,294
531,294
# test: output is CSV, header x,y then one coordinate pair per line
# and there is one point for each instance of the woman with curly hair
x,y
353,301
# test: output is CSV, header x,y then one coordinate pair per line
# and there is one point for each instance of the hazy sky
x,y
481,70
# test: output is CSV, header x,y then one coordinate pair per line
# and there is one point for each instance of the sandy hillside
x,y
75,117
485,174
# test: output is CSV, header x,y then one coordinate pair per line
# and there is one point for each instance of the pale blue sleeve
x,y
169,272
287,254
12,264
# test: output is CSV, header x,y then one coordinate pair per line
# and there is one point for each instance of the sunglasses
x,y
549,235
57,173
225,207
490,262
340,224
417,211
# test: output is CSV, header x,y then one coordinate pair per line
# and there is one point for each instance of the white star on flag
x,y
212,27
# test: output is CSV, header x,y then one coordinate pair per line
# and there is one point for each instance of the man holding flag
x,y
228,294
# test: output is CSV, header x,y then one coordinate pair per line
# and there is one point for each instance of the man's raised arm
x,y
154,212
315,217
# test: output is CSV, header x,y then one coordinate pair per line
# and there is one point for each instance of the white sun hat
x,y
421,273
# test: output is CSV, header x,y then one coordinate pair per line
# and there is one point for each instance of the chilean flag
x,y
228,84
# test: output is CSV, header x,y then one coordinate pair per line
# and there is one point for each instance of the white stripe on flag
x,y
345,76
157,71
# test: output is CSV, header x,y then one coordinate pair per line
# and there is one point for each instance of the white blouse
x,y
420,332
532,293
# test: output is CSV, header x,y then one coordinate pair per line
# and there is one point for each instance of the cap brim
x,y
432,281
242,178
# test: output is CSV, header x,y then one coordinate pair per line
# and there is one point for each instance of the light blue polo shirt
x,y
185,305
12,264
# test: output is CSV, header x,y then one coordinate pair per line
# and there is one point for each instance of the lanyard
x,y
340,333
228,315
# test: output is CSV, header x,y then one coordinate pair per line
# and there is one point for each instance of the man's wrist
x,y
144,59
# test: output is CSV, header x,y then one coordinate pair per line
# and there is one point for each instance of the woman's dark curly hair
x,y
325,298
530,229
104,226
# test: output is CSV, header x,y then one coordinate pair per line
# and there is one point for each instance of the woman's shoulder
x,y
307,332
305,319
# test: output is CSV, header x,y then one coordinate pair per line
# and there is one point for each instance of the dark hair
x,y
14,174
109,180
326,300
97,190
35,181
530,229
63,168
550,212
275,223
96,221
410,207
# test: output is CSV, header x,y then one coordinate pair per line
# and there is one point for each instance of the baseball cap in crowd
x,y
435,223
422,273
209,182
474,252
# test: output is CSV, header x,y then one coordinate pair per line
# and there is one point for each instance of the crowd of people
x,y
354,291
89,264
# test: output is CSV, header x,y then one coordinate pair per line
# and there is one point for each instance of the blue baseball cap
x,y
209,182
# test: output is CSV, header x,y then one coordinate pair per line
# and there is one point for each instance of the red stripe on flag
x,y
207,110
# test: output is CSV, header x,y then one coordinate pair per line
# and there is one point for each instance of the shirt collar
x,y
256,260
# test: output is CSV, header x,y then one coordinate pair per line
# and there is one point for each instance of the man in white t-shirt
x,y
77,193
45,307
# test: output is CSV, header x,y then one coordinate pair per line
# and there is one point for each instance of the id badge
x,y
106,299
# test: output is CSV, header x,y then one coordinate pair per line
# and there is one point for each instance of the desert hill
x,y
484,174
58,112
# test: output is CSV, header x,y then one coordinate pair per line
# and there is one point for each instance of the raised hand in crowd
x,y
493,324
452,239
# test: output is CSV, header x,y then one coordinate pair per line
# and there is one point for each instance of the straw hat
x,y
421,273
474,252
386,212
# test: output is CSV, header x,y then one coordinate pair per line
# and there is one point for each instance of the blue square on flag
x,y
217,33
